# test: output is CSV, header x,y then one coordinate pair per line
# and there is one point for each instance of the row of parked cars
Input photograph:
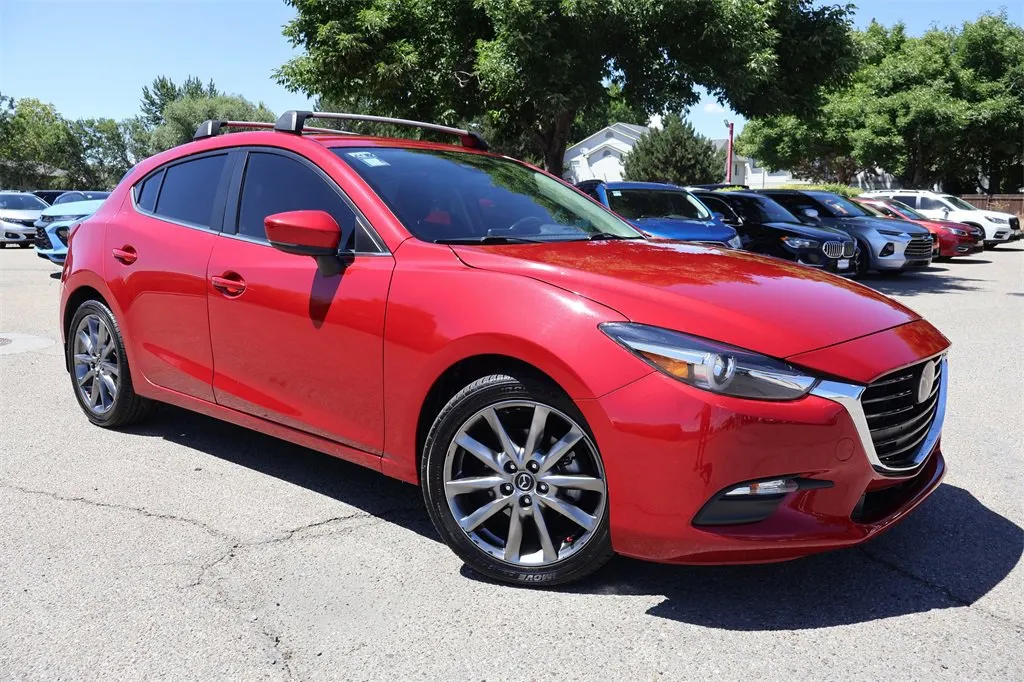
x,y
886,231
44,218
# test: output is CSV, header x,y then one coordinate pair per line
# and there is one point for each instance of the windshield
x,y
442,195
21,202
634,204
760,209
839,207
959,203
905,211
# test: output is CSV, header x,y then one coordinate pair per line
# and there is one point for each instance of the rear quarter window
x,y
189,190
146,191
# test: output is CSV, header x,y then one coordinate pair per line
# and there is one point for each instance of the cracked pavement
x,y
186,548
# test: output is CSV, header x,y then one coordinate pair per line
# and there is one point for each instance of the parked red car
x,y
954,239
559,387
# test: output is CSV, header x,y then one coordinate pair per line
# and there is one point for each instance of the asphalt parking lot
x,y
186,548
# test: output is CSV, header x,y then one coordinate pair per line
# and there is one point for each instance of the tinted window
x,y
147,192
190,188
798,203
908,199
718,206
840,207
929,204
759,209
959,203
68,197
905,211
655,203
275,183
442,195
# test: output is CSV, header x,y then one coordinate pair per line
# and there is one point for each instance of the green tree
x,y
676,154
163,91
183,116
35,146
532,67
941,108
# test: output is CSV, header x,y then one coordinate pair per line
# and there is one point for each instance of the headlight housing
x,y
61,218
799,243
997,220
956,230
710,365
892,233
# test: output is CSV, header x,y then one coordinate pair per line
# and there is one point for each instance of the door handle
x,y
126,255
230,284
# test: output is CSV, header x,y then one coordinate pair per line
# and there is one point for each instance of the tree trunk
x,y
553,141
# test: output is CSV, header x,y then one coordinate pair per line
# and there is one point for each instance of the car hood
x,y
763,304
686,230
889,224
11,214
76,208
819,232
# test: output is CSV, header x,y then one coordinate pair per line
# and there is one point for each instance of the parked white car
x,y
999,227
19,212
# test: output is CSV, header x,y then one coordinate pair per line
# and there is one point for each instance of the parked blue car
x,y
53,226
663,211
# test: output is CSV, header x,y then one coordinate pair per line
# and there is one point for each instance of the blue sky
x,y
90,58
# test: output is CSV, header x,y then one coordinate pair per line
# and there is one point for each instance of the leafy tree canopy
x,y
944,107
183,116
163,91
532,67
675,154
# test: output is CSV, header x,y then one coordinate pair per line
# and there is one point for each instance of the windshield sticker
x,y
616,193
369,158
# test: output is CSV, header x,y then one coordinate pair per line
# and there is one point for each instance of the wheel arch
x,y
464,372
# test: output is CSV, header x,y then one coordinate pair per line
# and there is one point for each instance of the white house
x,y
600,156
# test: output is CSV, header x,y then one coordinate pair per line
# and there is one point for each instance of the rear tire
x,y
99,369
514,483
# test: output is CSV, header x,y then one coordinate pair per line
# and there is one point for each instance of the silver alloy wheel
x,y
97,364
525,483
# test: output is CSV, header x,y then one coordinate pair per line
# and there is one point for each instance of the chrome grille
x,y
898,421
833,249
919,248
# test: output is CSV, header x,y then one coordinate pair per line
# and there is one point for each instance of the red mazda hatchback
x,y
559,387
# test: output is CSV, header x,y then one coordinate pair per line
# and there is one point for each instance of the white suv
x,y
999,227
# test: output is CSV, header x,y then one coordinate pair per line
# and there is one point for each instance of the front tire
x,y
100,374
515,485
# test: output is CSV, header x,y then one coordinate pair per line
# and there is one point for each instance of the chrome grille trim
x,y
849,395
919,247
832,249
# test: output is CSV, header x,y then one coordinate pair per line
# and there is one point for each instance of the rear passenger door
x,y
289,344
156,252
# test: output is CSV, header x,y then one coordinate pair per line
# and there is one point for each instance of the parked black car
x,y
764,226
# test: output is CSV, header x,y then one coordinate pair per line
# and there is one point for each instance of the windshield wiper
x,y
489,239
608,235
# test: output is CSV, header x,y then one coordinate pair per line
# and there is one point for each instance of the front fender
x,y
441,311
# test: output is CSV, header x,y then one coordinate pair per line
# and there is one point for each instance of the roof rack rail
x,y
294,122
212,128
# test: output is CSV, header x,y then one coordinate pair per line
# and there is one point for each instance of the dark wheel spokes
x,y
96,364
525,483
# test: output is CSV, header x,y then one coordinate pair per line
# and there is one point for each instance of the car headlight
x,y
997,220
956,230
800,243
735,242
61,218
892,233
710,365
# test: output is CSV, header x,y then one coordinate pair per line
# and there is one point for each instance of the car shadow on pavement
x,y
365,489
948,553
919,282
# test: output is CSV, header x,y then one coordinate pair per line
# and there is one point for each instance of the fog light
x,y
887,250
778,486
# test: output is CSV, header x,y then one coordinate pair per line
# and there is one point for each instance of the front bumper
x,y
951,245
49,244
670,449
11,233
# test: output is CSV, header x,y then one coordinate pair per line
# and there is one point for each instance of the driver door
x,y
290,345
